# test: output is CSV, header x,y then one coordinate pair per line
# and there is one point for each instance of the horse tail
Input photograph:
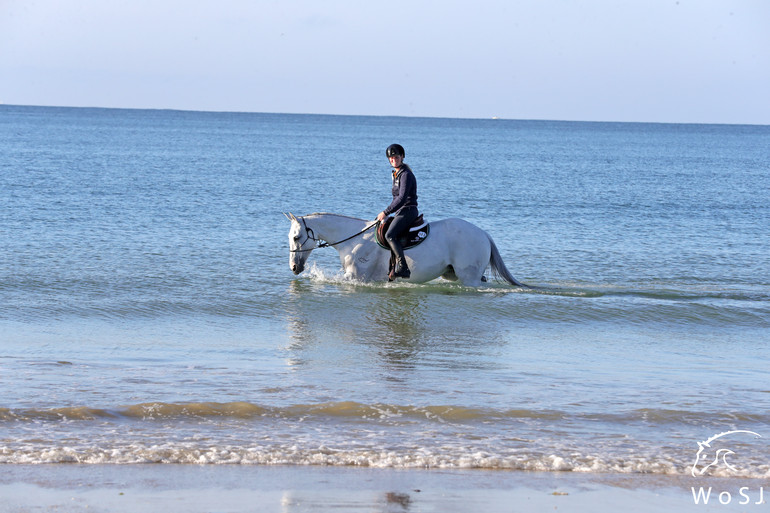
x,y
498,266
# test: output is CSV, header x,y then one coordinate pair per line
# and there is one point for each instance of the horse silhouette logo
x,y
708,459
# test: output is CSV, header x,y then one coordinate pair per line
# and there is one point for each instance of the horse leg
x,y
471,276
450,274
470,257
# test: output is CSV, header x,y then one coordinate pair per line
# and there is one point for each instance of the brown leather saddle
x,y
417,232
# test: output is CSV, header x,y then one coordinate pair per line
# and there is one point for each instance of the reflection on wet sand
x,y
390,502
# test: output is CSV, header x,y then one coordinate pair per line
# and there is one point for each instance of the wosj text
x,y
744,496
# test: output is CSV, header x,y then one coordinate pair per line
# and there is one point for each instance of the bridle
x,y
310,235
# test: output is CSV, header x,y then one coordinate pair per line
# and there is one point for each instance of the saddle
x,y
417,232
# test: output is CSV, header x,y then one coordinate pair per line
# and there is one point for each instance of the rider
x,y
404,205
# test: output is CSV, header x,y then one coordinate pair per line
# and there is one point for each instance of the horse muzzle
x,y
296,269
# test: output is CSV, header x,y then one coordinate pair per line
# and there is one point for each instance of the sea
x,y
148,313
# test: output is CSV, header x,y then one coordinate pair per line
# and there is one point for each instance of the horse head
x,y
301,242
707,459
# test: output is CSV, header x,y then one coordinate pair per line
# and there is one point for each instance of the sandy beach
x,y
226,488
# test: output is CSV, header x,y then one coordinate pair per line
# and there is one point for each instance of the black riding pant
x,y
401,223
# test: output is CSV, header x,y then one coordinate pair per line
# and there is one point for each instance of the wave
x,y
145,411
246,410
349,433
35,299
368,412
291,455
660,291
422,458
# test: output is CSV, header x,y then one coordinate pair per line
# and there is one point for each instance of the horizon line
x,y
490,118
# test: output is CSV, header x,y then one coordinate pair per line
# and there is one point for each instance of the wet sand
x,y
232,488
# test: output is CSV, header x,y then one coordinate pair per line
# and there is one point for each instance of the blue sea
x,y
148,313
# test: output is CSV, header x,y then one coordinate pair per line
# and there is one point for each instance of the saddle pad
x,y
417,233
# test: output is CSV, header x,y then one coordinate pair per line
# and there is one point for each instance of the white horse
x,y
454,250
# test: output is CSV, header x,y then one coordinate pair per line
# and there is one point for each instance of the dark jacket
x,y
404,190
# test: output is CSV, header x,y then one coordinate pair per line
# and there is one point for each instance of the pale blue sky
x,y
703,61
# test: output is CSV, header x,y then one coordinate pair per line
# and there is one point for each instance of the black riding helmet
x,y
395,149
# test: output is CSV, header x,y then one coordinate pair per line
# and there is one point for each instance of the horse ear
x,y
290,216
287,216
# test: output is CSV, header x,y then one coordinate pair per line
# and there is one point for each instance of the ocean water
x,y
148,312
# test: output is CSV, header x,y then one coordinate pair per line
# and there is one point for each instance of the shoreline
x,y
172,488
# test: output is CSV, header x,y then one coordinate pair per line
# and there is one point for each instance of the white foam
x,y
366,457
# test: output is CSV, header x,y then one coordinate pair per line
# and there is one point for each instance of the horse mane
x,y
335,215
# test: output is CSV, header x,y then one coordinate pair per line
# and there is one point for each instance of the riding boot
x,y
400,269
400,224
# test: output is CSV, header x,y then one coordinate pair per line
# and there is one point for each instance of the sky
x,y
681,61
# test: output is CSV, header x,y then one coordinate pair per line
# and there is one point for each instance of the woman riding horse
x,y
404,205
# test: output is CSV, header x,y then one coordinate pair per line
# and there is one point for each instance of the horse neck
x,y
333,227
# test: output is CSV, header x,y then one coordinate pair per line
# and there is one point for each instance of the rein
x,y
310,235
